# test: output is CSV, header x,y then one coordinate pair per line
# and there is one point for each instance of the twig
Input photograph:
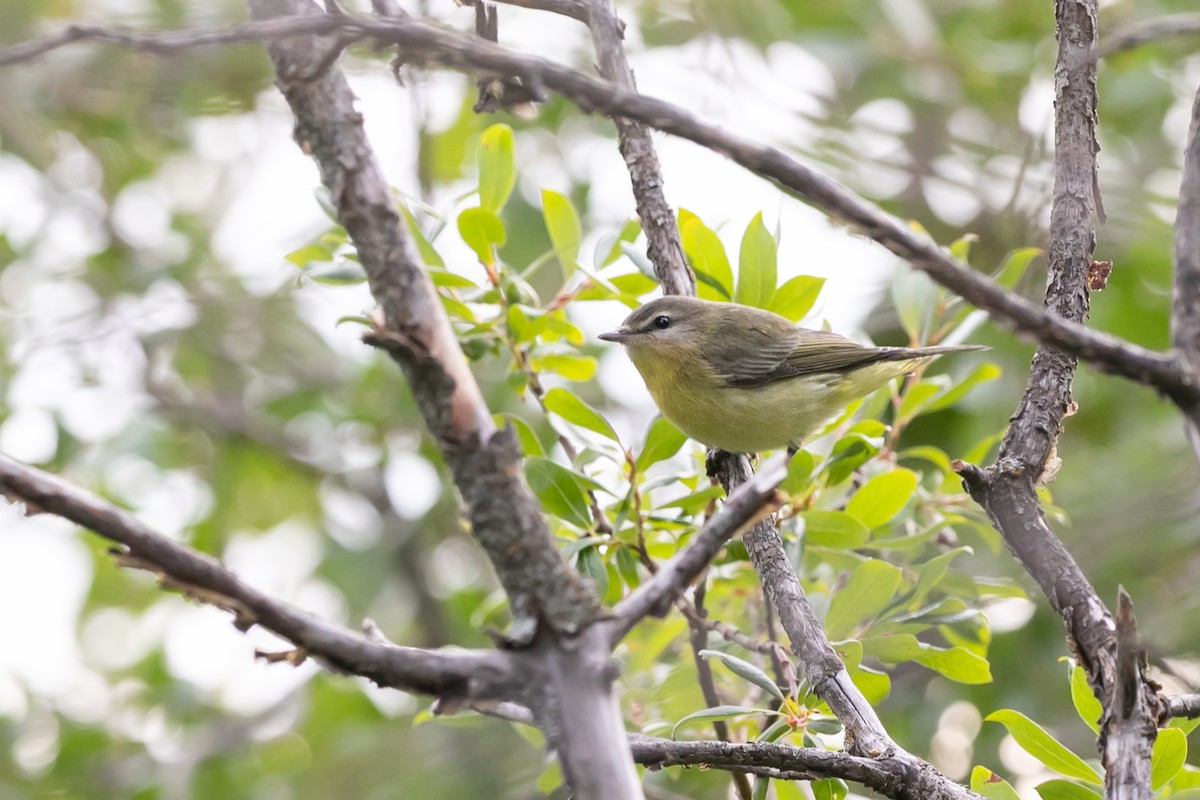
x,y
784,669
708,688
575,9
1172,26
752,500
1130,721
432,44
458,673
891,776
1182,705
1185,311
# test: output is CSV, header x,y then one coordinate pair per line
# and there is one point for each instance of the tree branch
x,y
749,502
1006,490
1171,26
1182,705
637,148
443,673
892,777
432,44
1185,310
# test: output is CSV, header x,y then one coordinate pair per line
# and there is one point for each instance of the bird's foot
x,y
712,461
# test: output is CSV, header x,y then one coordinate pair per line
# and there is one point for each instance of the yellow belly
x,y
769,417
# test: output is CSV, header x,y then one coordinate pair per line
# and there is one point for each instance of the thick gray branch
x,y
893,777
444,673
1006,490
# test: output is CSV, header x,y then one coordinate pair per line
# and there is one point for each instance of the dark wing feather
x,y
757,355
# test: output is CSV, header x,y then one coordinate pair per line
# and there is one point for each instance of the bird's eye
x,y
662,323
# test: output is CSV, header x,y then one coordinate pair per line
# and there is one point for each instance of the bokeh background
x,y
160,350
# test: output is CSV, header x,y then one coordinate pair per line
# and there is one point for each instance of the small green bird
x,y
745,380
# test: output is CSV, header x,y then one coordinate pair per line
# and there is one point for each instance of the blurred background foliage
x,y
171,308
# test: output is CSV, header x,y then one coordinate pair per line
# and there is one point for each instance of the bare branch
x,y
1130,721
658,220
1172,26
1027,456
432,44
751,501
1185,300
444,673
575,9
1182,705
892,777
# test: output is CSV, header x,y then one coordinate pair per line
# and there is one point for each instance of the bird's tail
x,y
905,353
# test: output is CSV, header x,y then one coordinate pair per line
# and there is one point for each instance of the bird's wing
x,y
757,356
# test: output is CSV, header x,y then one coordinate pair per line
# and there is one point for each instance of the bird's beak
x,y
615,336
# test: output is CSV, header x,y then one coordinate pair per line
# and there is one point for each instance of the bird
x,y
746,380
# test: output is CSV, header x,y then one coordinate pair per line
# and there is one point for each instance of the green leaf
x,y
663,440
563,225
869,591
745,669
1034,739
424,248
756,265
530,444
1167,757
874,685
577,412
573,368
834,529
915,296
1059,789
982,373
932,572
883,497
706,255
958,664
828,789
342,274
991,785
608,249
918,397
1014,266
718,713
589,564
799,472
760,788
960,248
893,649
309,254
1084,699
797,297
627,567
482,231
558,490
497,167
